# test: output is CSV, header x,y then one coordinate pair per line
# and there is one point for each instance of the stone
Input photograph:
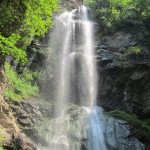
x,y
118,136
25,121
125,87
7,121
117,42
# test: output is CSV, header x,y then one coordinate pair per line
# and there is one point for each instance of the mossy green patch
x,y
133,50
19,87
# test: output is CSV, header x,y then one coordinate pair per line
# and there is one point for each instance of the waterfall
x,y
77,72
72,41
96,129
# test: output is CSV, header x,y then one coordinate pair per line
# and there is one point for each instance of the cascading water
x,y
76,83
70,118
96,129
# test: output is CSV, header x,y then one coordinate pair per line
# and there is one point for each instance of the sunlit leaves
x,y
112,12
27,18
37,19
8,47
11,16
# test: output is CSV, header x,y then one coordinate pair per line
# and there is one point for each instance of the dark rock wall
x,y
124,80
126,88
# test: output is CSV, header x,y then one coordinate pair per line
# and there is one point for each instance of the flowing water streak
x,y
68,28
68,25
95,130
88,42
77,78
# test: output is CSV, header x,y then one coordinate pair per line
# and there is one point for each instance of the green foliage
x,y
19,87
110,13
132,50
11,15
37,19
90,2
142,127
8,47
21,21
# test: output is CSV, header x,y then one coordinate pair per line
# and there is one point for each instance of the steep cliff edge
x,y
124,78
8,125
11,136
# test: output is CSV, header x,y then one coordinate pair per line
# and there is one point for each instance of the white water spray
x,y
76,82
89,53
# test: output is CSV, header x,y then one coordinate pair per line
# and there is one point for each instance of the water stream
x,y
71,119
81,128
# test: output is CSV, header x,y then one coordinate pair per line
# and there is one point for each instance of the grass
x,y
19,87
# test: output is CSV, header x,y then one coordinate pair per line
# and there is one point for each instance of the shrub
x,y
8,47
19,87
114,13
133,50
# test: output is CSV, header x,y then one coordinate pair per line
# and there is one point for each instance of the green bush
x,y
8,47
21,21
132,50
37,20
19,87
114,13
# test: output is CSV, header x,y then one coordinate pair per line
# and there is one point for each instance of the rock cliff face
x,y
123,79
8,126
70,4
126,88
10,133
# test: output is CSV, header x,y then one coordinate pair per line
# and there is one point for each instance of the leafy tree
x,y
8,47
111,12
19,86
37,19
21,21
11,15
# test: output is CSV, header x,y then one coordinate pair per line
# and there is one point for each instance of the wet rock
x,y
20,143
30,113
119,41
8,125
118,136
25,121
71,4
125,87
104,57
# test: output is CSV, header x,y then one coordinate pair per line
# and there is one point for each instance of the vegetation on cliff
x,y
19,86
21,21
141,128
128,16
116,13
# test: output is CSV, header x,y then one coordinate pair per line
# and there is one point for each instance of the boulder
x,y
118,136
